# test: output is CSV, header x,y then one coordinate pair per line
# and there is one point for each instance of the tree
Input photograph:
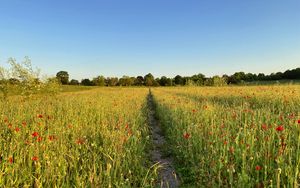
x,y
99,81
218,81
126,81
149,79
198,79
113,81
63,77
179,80
74,82
139,81
86,82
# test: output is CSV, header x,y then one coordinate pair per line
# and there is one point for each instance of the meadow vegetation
x,y
237,136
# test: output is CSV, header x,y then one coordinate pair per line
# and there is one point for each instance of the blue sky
x,y
164,37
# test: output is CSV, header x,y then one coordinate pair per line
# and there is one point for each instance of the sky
x,y
165,37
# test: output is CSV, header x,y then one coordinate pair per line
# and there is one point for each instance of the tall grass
x,y
233,136
95,138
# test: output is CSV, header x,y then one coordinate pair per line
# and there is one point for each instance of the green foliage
x,y
99,81
22,79
63,77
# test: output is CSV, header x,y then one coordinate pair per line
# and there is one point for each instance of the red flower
x,y
11,160
24,124
258,168
186,135
17,129
40,116
35,158
80,141
39,139
35,134
264,127
51,137
279,128
194,110
298,121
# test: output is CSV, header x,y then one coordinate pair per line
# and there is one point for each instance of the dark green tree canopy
x,y
63,77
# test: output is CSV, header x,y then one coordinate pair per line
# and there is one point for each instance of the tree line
x,y
196,80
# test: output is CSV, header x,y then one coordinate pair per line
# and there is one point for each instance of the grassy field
x,y
218,137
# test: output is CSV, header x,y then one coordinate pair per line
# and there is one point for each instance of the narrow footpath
x,y
167,174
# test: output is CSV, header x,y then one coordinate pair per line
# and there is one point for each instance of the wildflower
x,y
17,129
80,141
298,121
186,135
11,160
39,139
194,110
40,116
51,137
258,168
225,142
35,158
279,128
264,127
35,134
24,124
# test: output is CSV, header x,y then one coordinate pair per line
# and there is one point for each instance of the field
x,y
245,136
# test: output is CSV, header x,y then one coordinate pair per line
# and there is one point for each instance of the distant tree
x,y
86,82
139,81
218,81
149,79
208,82
261,76
74,82
99,81
169,82
112,81
179,80
198,79
226,78
126,81
162,81
63,77
156,82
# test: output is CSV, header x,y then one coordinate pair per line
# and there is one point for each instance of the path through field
x,y
167,174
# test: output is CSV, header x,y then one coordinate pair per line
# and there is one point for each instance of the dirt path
x,y
167,174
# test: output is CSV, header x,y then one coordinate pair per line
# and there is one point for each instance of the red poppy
x,y
194,110
39,139
225,142
80,141
258,168
298,121
264,127
35,134
17,129
10,125
280,128
51,137
186,135
35,158
40,116
11,160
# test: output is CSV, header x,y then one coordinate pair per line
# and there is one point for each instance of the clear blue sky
x,y
164,37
